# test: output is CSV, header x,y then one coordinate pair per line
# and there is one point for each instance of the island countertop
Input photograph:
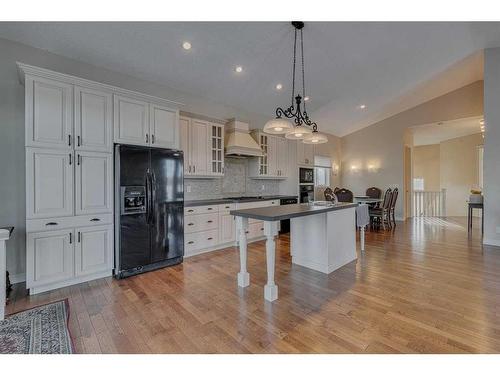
x,y
290,211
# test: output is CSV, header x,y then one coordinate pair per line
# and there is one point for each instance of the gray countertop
x,y
204,202
288,211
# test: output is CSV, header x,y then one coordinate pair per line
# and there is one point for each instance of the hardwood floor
x,y
423,288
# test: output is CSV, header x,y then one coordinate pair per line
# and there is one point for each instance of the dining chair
x,y
383,213
394,198
344,195
375,193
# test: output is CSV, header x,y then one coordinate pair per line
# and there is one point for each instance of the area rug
x,y
40,330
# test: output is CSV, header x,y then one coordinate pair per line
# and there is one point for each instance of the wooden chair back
x,y
387,199
373,192
344,195
394,197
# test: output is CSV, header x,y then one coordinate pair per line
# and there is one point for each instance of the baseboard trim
x,y
17,278
491,242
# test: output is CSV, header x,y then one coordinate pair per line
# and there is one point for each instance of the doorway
x,y
407,181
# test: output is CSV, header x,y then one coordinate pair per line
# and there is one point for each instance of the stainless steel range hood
x,y
238,141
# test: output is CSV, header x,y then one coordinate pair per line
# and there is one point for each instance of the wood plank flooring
x,y
422,288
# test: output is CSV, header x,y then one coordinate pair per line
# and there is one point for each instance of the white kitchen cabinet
x,y
93,114
131,121
273,164
198,138
227,228
94,183
49,182
216,149
48,113
305,154
49,257
184,130
93,249
164,126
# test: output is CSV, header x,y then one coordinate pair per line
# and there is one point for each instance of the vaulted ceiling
x,y
388,67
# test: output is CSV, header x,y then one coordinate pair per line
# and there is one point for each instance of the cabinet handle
x,y
147,138
261,228
190,210
78,160
209,209
51,223
95,219
247,232
209,238
210,221
79,236
194,168
152,138
190,242
191,224
78,140
70,159
189,169
69,139
70,237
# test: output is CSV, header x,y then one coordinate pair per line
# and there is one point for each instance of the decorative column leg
x,y
242,228
270,289
362,238
3,263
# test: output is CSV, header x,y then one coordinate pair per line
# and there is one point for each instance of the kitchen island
x,y
322,238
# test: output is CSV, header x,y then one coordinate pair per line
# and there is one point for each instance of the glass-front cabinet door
x,y
216,149
263,160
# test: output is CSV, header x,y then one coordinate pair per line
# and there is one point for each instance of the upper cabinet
x,y
203,146
93,114
274,163
49,112
138,122
305,154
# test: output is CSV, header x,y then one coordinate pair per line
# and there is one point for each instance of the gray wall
x,y
12,159
492,146
381,144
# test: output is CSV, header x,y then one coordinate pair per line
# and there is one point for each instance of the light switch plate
x,y
188,188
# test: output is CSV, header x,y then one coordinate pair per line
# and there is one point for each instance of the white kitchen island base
x,y
322,238
324,242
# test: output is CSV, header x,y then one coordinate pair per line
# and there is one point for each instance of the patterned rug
x,y
41,330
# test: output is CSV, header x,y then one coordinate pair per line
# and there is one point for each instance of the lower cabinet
x,y
57,258
227,228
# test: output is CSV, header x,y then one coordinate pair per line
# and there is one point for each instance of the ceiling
x,y
436,133
388,67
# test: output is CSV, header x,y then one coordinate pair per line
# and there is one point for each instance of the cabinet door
x,y
49,183
93,249
199,147
216,149
184,130
272,156
227,228
164,126
93,128
94,183
131,121
49,111
305,153
49,257
282,156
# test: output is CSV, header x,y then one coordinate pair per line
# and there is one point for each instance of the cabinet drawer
x,y
227,207
38,225
197,223
255,229
201,209
200,240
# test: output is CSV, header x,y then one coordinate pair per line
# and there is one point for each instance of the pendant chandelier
x,y
302,128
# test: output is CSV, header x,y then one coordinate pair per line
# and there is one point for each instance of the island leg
x,y
362,237
270,289
242,228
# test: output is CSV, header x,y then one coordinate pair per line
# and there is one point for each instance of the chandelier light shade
x,y
298,132
304,128
315,138
278,126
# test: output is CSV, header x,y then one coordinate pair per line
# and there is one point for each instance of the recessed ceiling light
x,y
279,86
306,99
362,106
238,69
186,45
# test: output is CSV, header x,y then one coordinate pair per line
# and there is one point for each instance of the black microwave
x,y
306,175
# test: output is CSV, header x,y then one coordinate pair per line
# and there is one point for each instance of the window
x,y
480,155
321,176
418,184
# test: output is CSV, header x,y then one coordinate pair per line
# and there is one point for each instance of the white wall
x,y
12,159
492,146
381,145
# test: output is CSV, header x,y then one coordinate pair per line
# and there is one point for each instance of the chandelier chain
x,y
293,69
303,74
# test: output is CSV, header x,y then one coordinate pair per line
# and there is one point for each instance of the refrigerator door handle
x,y
147,196
153,196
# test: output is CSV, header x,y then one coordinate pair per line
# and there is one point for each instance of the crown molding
x,y
25,69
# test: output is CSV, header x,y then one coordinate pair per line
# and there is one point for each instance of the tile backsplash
x,y
234,183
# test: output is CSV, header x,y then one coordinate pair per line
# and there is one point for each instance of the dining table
x,y
364,199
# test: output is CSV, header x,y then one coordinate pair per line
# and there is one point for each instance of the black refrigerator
x,y
149,209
